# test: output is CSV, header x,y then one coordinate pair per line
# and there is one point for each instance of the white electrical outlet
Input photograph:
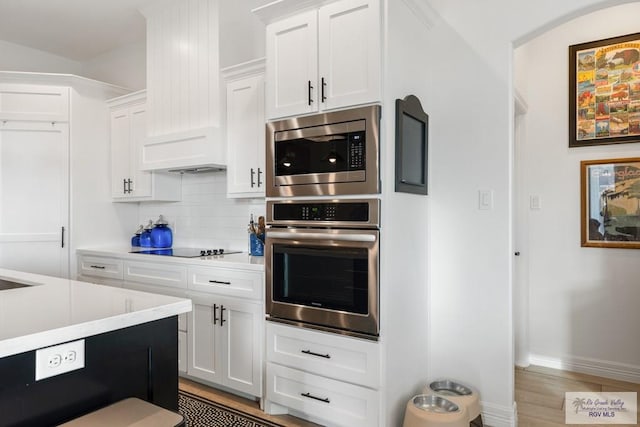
x,y
56,360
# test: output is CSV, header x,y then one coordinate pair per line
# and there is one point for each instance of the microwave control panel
x,y
356,151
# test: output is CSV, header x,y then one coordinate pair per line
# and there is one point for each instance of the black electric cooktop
x,y
184,252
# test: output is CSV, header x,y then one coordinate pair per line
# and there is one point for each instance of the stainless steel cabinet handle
x,y
311,353
215,311
309,88
222,309
322,236
220,282
62,237
252,182
129,182
259,182
124,186
99,267
311,396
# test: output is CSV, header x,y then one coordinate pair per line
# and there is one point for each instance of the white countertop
x,y
242,260
55,310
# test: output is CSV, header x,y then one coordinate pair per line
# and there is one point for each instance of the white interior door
x,y
34,197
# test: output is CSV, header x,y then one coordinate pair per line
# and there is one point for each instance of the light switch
x,y
485,199
534,202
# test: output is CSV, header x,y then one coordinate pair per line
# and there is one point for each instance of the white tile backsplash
x,y
206,217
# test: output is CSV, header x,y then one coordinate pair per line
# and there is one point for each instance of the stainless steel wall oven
x,y
324,154
322,264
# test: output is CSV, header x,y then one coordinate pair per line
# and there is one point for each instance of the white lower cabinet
x,y
225,342
331,377
222,340
336,402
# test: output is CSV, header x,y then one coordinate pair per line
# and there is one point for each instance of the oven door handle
x,y
321,236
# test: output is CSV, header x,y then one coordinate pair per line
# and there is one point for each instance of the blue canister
x,y
145,237
161,235
256,244
135,240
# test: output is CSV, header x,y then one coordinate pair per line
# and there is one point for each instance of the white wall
x,y
242,34
582,301
405,227
14,57
124,67
205,217
471,253
469,304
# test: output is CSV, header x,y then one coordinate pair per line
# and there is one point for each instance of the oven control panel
x,y
345,212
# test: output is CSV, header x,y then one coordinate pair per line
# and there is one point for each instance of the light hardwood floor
x,y
540,393
244,405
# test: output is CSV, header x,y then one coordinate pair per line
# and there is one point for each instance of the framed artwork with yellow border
x,y
610,203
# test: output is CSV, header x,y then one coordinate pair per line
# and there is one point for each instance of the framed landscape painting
x,y
604,91
610,203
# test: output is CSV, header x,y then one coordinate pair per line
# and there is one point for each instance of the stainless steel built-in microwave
x,y
325,154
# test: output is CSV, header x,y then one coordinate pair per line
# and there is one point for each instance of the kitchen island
x,y
118,343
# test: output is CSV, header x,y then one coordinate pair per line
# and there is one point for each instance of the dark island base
x,y
140,361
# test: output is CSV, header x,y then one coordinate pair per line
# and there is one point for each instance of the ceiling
x,y
76,29
83,29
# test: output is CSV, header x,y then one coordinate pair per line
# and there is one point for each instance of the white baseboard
x,y
600,368
498,415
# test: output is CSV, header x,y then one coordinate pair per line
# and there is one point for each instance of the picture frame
x,y
412,146
604,91
610,203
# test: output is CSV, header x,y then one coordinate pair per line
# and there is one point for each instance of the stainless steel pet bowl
x,y
433,403
450,388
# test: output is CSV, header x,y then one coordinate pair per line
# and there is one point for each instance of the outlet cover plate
x,y
58,359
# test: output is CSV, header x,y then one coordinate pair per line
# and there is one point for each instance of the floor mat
x,y
200,412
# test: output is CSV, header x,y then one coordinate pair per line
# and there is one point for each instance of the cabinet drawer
x,y
334,401
222,281
173,276
110,268
343,358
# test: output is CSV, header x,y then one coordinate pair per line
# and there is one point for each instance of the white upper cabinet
x,y
128,134
183,88
292,66
245,129
349,49
323,59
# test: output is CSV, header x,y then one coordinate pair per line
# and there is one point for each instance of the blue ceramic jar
x,y
161,235
135,240
145,237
